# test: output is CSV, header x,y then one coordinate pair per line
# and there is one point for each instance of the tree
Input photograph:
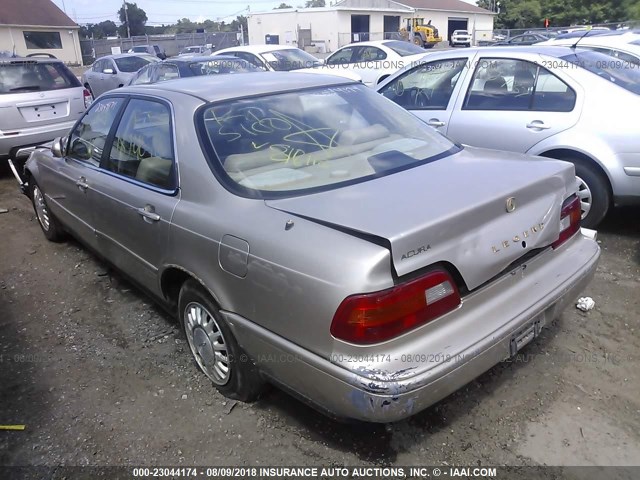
x,y
137,20
282,5
314,3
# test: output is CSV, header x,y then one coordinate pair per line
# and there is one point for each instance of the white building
x,y
357,20
39,26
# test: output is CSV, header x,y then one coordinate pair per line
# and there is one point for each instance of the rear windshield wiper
x,y
25,87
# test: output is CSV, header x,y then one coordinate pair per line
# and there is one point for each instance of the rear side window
x,y
517,85
131,64
34,76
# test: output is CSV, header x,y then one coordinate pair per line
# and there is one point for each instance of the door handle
x,y
434,122
538,125
82,184
148,213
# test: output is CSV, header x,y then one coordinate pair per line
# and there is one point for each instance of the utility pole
x,y
126,17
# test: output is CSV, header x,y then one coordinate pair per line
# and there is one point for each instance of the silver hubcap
x,y
41,209
207,343
586,199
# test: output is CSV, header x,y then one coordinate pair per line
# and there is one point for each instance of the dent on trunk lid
x,y
453,210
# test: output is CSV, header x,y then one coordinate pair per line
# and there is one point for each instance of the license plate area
x,y
45,111
527,333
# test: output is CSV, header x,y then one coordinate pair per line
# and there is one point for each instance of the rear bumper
x,y
27,138
351,388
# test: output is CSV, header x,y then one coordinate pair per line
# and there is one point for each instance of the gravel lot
x,y
100,376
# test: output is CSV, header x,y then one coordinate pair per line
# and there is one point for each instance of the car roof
x,y
214,88
201,58
550,50
122,55
258,48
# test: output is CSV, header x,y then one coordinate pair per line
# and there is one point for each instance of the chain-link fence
x,y
171,44
503,34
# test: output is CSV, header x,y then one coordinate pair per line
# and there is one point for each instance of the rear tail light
x,y
88,98
569,220
378,316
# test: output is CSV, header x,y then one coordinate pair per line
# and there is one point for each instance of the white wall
x,y
69,53
334,25
440,19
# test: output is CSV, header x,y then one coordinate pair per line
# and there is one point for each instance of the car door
x,y
138,191
111,77
68,183
512,104
93,78
429,90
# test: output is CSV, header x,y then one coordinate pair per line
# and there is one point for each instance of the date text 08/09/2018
x,y
313,472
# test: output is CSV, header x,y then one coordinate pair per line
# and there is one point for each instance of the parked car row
x,y
454,195
220,198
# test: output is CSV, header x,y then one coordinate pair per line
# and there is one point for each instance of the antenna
x,y
578,41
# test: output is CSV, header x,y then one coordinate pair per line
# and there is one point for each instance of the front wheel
x,y
214,347
417,40
50,226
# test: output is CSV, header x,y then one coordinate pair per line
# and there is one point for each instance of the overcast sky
x,y
170,11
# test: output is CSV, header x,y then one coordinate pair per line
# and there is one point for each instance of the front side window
x,y
426,87
143,76
42,40
368,54
344,56
142,148
88,139
517,85
312,140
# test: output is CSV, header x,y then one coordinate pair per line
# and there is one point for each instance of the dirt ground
x,y
100,376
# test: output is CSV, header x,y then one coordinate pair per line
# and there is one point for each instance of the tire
x,y
213,346
594,192
418,41
49,224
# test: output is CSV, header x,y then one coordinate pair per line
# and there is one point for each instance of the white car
x,y
373,61
282,58
460,37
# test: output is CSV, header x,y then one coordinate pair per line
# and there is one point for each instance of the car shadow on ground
x,y
380,444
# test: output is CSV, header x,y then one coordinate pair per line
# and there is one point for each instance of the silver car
x,y
40,99
571,104
310,233
114,71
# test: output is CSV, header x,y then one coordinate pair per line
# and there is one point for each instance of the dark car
x,y
190,67
525,39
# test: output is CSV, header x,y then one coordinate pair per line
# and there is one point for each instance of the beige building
x,y
39,26
347,21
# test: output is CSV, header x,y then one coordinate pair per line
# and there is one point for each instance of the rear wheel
x,y
594,193
417,40
214,347
50,226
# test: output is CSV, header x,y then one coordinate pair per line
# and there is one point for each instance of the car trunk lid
x,y
479,210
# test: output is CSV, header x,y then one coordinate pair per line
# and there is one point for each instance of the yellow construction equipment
x,y
420,33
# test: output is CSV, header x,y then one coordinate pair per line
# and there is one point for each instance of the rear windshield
x,y
140,49
131,64
28,76
213,66
623,73
404,48
312,140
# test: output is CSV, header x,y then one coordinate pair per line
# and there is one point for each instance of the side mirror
x,y
109,71
321,61
57,146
